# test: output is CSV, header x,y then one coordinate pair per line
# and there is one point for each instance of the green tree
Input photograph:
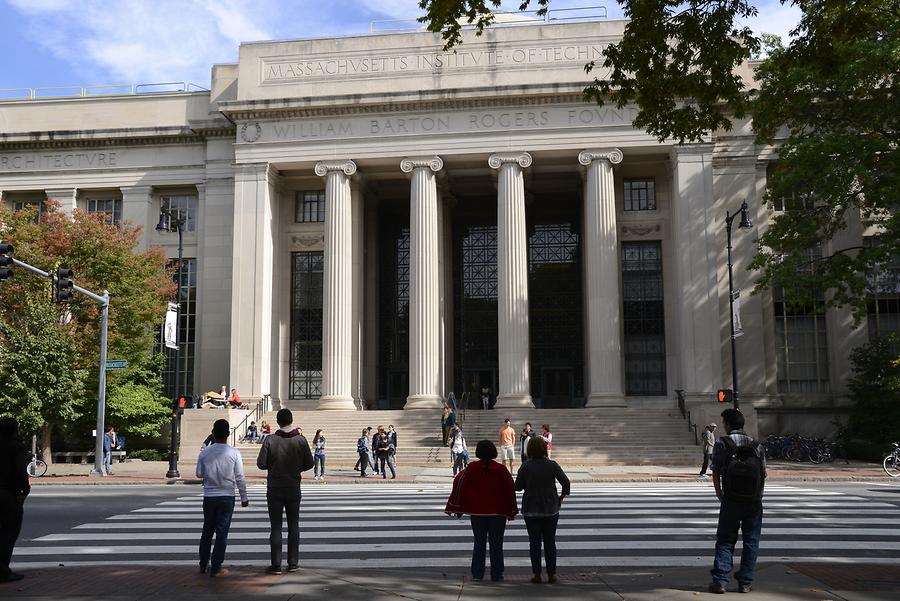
x,y
829,98
64,339
875,391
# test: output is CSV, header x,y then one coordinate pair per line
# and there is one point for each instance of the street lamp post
x,y
744,225
172,221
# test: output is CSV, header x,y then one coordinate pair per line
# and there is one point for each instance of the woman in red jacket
x,y
485,491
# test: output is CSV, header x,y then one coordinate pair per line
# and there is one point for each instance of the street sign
x,y
116,364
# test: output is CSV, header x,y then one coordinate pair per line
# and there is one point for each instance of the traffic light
x,y
64,285
6,261
725,395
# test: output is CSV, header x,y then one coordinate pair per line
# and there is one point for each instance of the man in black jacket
x,y
14,487
284,455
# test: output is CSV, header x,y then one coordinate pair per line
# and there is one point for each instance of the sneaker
x,y
12,577
717,588
704,475
745,588
274,570
536,579
552,579
315,477
293,567
219,572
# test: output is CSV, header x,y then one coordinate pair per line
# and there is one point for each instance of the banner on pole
x,y
736,313
171,329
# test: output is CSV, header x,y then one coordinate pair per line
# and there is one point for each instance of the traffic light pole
x,y
101,392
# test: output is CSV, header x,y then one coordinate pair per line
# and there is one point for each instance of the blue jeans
x,y
488,529
319,465
387,459
747,517
216,519
542,529
107,461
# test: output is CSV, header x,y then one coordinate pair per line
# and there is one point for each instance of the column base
x,y
512,401
336,403
606,400
423,401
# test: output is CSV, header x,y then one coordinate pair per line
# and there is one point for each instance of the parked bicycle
x,y
891,463
37,467
801,449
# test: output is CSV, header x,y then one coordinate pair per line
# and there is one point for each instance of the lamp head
x,y
745,217
163,225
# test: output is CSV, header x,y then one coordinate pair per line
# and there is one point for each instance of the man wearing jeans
x,y
221,468
284,455
741,502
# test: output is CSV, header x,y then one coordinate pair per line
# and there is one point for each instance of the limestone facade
x,y
380,123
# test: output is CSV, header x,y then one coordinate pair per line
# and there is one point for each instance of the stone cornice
x,y
402,103
86,139
523,159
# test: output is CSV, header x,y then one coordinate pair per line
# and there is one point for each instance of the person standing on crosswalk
x,y
284,456
484,491
739,475
221,469
540,505
14,487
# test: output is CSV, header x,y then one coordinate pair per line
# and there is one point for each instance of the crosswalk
x,y
399,525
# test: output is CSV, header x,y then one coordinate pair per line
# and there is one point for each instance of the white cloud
x,y
775,17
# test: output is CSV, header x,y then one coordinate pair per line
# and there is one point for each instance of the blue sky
x,y
91,42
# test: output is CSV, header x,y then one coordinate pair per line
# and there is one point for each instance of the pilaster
x,y
137,208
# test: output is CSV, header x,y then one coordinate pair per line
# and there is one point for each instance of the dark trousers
x,y
747,517
10,525
542,529
488,529
706,457
389,461
362,463
217,512
284,501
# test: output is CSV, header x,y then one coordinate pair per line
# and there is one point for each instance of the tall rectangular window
x,y
186,205
18,205
186,331
309,207
639,195
643,315
801,342
305,374
109,208
883,291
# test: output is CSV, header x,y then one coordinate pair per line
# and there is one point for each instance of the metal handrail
x,y
256,413
124,89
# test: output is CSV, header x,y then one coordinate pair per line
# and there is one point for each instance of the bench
x,y
83,456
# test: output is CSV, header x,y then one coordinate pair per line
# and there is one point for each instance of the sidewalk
x,y
774,582
153,472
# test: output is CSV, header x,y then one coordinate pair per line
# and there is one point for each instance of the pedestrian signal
x,y
64,285
725,395
6,261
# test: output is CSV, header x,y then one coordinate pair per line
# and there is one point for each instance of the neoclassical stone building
x,y
373,220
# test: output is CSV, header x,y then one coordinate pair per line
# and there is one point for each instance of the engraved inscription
x,y
63,160
327,67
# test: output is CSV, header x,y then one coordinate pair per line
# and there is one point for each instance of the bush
x,y
875,391
147,455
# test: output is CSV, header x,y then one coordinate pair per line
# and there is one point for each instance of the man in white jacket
x,y
221,469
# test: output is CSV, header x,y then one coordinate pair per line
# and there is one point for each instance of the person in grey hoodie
x,y
540,505
284,456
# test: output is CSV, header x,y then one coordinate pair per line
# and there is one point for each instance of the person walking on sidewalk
x,y
319,455
484,491
526,435
108,446
459,452
445,428
384,451
507,445
14,488
739,475
362,448
547,435
221,469
708,441
284,456
540,505
392,438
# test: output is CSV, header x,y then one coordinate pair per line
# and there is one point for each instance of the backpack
x,y
742,476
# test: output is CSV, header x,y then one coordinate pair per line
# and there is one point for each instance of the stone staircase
x,y
596,436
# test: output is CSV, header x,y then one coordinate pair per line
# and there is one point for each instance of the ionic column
x,y
337,298
604,300
424,274
512,280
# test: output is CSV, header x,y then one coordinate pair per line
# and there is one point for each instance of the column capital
x,y
323,168
408,164
138,191
500,158
613,155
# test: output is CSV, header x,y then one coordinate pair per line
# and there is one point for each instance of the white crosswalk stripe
x,y
399,525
